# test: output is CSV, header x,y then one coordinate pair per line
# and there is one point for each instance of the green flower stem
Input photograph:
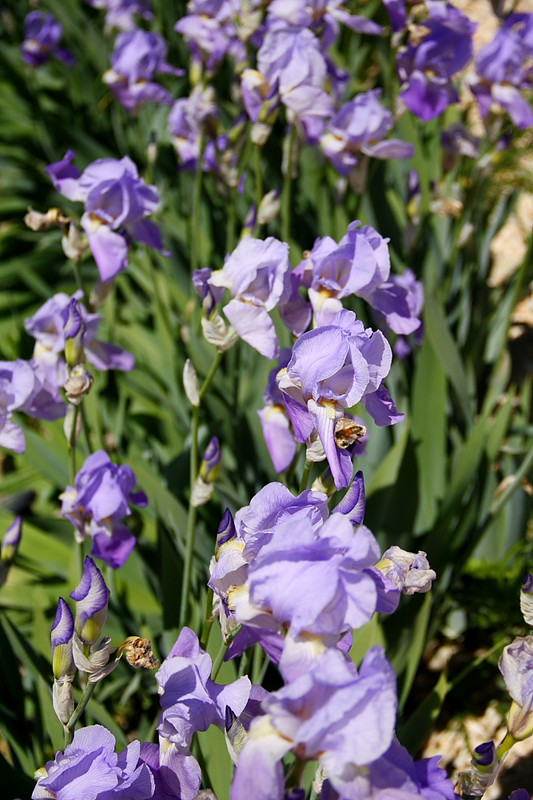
x,y
259,658
80,708
505,745
258,167
191,519
193,473
195,227
85,428
219,660
208,620
243,666
79,279
305,475
231,219
72,445
211,374
286,193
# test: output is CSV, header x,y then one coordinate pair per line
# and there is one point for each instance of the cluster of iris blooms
x,y
287,573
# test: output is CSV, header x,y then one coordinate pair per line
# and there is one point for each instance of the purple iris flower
x,y
332,368
358,265
117,203
91,769
291,61
253,573
257,275
239,542
42,34
261,101
426,69
361,126
63,317
332,713
120,13
316,582
210,32
190,700
397,12
322,17
275,421
504,70
17,383
97,503
271,506
23,387
192,124
176,772
137,56
394,774
399,301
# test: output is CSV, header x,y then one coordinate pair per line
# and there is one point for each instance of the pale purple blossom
x,y
357,265
239,542
426,68
397,12
360,126
503,70
284,566
210,32
117,203
192,124
399,301
275,421
190,700
394,774
90,768
137,56
290,60
322,17
316,582
332,368
62,317
332,713
42,34
176,772
120,13
16,387
23,387
257,275
97,503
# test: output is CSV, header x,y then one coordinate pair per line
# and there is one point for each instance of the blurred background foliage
x,y
453,479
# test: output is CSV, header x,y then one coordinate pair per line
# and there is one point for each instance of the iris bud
x,y
92,598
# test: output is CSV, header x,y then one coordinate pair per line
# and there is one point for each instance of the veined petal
x,y
253,324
